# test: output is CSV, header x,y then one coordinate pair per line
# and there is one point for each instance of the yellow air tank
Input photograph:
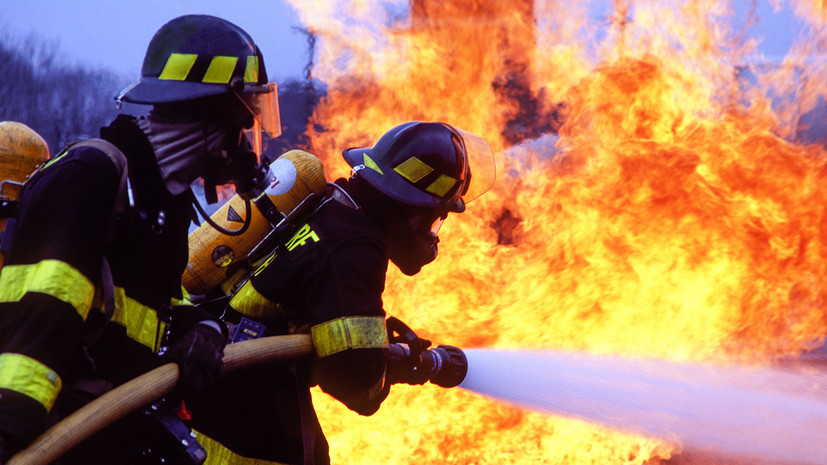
x,y
21,151
291,179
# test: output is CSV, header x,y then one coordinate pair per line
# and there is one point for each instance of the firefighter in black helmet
x,y
326,277
92,278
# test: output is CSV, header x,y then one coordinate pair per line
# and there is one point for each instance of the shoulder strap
x,y
119,160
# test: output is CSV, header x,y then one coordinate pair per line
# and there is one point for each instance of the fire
x,y
651,200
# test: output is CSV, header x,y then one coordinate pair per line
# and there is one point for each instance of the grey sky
x,y
115,33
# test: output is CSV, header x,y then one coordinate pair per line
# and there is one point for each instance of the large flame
x,y
651,201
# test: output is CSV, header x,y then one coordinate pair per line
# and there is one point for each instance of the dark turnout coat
x,y
327,278
58,349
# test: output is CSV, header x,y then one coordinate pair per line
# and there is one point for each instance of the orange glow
x,y
649,201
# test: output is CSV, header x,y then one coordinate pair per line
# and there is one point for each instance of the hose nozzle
x,y
448,365
411,361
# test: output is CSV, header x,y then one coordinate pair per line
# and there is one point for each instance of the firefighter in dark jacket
x,y
326,278
92,278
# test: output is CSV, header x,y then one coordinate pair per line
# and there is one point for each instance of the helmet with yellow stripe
x,y
196,56
426,170
426,164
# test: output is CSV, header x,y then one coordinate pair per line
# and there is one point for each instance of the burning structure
x,y
652,202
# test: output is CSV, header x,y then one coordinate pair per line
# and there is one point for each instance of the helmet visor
x,y
263,103
481,164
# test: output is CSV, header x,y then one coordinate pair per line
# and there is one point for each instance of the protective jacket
x,y
327,278
51,291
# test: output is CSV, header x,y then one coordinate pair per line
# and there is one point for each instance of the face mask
x,y
239,166
412,243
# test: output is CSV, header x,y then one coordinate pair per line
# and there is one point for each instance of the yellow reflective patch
x,y
220,70
442,185
27,376
250,303
140,321
48,163
372,164
178,66
413,169
301,237
53,277
183,301
251,71
350,332
217,454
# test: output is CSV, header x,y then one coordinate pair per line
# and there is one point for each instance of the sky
x,y
114,34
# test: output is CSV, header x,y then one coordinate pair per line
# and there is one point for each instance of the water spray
x,y
768,415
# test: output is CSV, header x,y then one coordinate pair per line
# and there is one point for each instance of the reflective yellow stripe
x,y
251,71
350,332
250,303
140,321
413,169
220,70
372,164
442,185
177,67
217,454
28,376
185,300
53,277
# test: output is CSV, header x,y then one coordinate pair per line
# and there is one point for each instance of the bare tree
x,y
61,102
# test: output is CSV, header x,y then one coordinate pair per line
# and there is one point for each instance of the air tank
x,y
291,178
21,151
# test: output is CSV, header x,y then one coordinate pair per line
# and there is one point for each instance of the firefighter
x,y
22,149
92,278
327,278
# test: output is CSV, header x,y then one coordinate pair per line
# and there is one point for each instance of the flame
x,y
651,200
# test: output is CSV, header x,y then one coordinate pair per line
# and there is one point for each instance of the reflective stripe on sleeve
x,y
141,321
350,332
28,376
217,454
53,277
250,303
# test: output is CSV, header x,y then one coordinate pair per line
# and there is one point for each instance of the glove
x,y
199,354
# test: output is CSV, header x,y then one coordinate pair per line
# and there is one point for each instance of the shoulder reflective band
x,y
350,332
250,303
141,321
53,277
27,376
217,454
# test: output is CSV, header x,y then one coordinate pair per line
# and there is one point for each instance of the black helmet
x,y
426,164
196,56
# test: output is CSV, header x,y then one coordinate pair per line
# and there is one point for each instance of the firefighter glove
x,y
199,354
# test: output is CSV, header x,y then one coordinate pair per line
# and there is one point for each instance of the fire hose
x,y
445,366
144,389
